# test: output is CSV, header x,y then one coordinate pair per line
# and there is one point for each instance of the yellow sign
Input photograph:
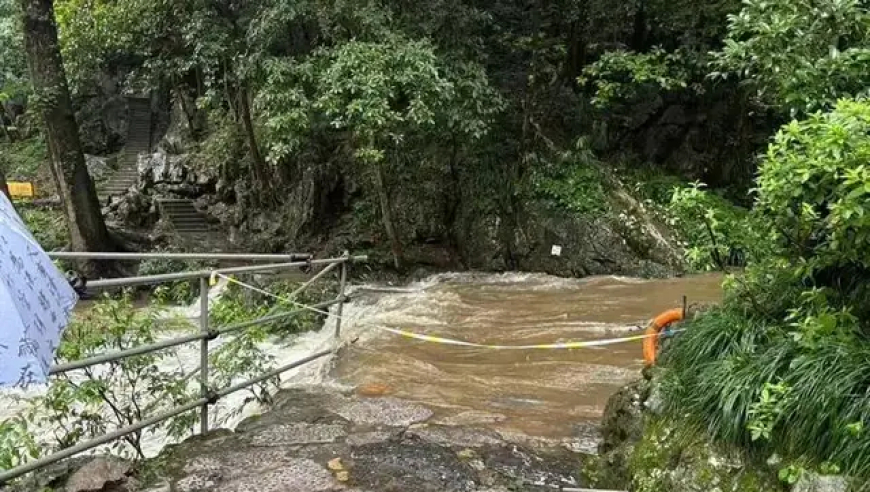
x,y
20,189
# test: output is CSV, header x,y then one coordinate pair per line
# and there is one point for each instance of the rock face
x,y
97,166
646,452
100,474
810,482
315,441
81,474
171,176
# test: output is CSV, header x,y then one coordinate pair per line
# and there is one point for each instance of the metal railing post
x,y
208,396
203,353
341,286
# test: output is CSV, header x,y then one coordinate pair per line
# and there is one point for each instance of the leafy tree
x,y
814,188
383,94
620,76
51,95
802,55
13,68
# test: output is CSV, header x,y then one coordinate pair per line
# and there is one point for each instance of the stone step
x,y
138,142
190,228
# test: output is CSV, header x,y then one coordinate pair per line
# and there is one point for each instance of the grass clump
x,y
47,225
783,366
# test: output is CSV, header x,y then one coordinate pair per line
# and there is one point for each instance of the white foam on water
x,y
428,305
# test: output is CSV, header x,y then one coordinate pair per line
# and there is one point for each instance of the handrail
x,y
172,277
124,354
204,335
80,255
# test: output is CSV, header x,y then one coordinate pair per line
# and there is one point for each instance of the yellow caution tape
x,y
563,345
461,343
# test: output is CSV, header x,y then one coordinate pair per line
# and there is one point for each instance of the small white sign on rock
x,y
556,250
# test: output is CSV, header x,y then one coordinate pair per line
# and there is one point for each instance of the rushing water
x,y
536,392
542,393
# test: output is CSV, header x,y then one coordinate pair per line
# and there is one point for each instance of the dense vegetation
x,y
400,123
413,118
781,366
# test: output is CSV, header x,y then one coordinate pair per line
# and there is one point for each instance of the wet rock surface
x,y
102,473
313,440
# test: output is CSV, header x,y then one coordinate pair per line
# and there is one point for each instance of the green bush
x,y
718,233
238,305
174,293
119,393
47,225
24,159
782,365
573,180
815,188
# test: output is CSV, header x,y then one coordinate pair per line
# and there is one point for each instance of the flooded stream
x,y
536,392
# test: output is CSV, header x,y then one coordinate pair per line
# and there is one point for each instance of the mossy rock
x,y
670,458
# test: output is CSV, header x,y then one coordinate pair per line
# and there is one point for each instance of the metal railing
x,y
204,334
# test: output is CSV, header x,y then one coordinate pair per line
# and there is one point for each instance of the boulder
x,y
623,416
101,474
811,482
97,166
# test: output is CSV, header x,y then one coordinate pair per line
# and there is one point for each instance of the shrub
x,y
782,365
47,225
718,233
573,180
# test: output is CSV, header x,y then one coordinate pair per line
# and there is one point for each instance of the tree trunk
x,y
454,200
387,215
260,169
5,130
575,55
4,187
74,185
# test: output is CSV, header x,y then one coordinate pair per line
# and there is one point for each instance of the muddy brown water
x,y
535,392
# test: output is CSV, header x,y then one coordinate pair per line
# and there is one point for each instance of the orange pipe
x,y
659,323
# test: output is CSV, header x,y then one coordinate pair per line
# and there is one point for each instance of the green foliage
x,y
802,54
24,159
382,92
652,184
89,402
620,76
14,84
115,394
721,366
573,180
92,32
47,225
791,474
174,293
764,413
241,358
238,305
814,187
718,233
782,365
17,444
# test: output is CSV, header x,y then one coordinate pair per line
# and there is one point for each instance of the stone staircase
x,y
183,217
138,141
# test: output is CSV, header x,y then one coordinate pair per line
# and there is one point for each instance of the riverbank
x,y
543,399
319,439
316,439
